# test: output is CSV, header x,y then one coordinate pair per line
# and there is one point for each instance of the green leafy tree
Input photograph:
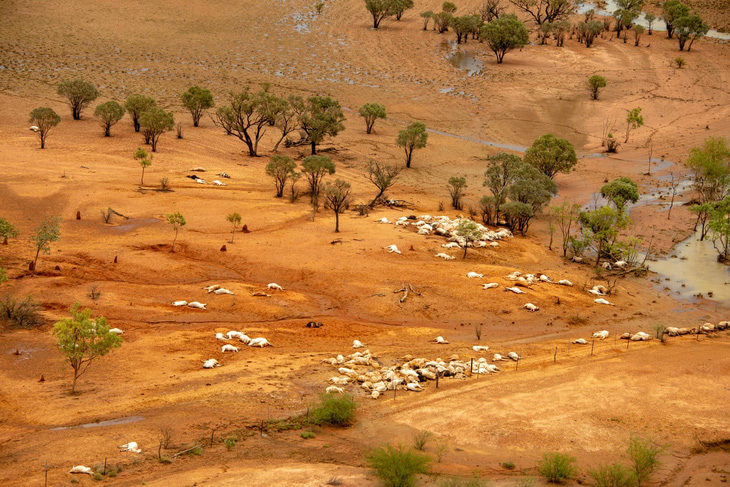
x,y
504,34
624,20
456,186
398,7
44,235
517,215
235,220
595,84
321,117
156,122
250,114
689,28
144,159
442,21
337,199
83,340
197,100
673,10
136,105
497,178
551,155
45,119
469,232
620,192
109,113
372,112
411,138
560,29
566,216
383,176
426,17
79,94
634,120
638,32
650,19
710,166
380,10
719,226
601,228
315,169
588,31
463,26
177,220
643,456
530,187
543,11
280,168
398,466
7,230
286,119
448,7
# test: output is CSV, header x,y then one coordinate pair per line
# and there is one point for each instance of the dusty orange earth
x,y
585,404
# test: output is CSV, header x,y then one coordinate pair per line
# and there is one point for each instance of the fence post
x,y
555,356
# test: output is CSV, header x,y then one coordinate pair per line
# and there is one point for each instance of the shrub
x,y
421,438
398,466
643,455
165,460
337,410
679,62
308,435
20,313
230,442
509,465
164,184
556,467
660,330
595,84
614,475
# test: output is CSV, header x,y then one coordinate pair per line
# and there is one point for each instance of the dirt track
x,y
587,406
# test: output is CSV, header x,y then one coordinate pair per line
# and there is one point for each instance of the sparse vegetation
x,y
234,219
634,120
614,475
22,314
557,467
473,481
456,191
679,62
383,176
398,466
307,435
421,438
82,340
337,199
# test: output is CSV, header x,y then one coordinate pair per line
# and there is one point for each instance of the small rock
x,y
223,249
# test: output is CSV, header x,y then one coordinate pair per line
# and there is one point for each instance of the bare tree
x,y
383,176
543,11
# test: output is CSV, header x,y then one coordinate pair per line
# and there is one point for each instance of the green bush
x,y
615,475
421,438
556,467
308,435
510,465
230,442
643,455
337,410
398,466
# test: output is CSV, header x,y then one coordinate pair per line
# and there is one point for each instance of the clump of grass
x,y
336,410
197,450
165,460
660,330
20,313
679,62
556,467
614,475
474,481
230,442
398,466
421,438
308,435
643,456
509,465
164,184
